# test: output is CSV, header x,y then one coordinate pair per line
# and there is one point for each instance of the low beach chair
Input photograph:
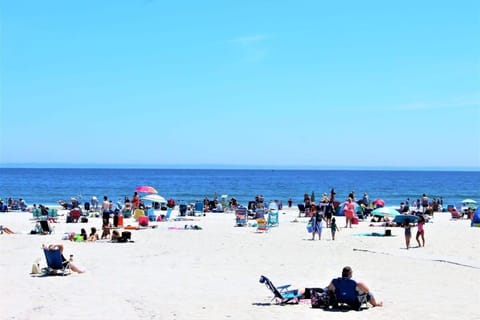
x,y
168,214
137,213
37,213
127,213
55,263
281,294
346,294
273,219
150,213
259,214
241,216
46,227
301,209
198,209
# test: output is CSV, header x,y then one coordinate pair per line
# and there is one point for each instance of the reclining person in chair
x,y
347,291
65,261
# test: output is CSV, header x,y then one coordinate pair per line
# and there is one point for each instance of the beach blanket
x,y
186,227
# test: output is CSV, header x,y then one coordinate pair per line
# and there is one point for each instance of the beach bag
x,y
319,298
127,235
143,221
310,227
35,267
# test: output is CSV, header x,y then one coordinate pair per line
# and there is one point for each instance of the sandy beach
x,y
213,273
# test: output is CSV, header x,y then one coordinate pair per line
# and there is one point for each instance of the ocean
x,y
47,186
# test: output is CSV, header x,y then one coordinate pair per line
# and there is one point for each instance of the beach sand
x,y
214,273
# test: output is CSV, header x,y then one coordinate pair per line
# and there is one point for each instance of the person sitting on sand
x,y
5,229
360,287
93,235
116,236
106,231
70,263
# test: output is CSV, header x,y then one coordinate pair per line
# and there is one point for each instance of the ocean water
x,y
47,186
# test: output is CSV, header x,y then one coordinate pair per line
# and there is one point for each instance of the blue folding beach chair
x,y
346,294
241,216
55,264
281,294
198,209
272,219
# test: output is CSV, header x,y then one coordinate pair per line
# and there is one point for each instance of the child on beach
x,y
333,228
421,231
408,232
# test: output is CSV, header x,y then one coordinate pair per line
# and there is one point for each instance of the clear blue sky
x,y
241,83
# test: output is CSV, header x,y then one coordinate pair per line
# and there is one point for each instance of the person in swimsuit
x,y
408,232
421,231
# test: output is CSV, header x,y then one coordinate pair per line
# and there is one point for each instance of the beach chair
x,y
259,214
53,213
346,294
262,225
37,213
151,214
241,216
273,219
455,213
55,264
137,213
46,227
127,213
198,208
281,294
301,209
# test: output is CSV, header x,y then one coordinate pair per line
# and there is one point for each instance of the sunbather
x,y
5,229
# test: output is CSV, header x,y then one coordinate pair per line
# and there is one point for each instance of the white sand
x,y
213,273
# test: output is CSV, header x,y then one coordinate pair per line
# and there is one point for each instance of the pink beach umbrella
x,y
379,203
146,189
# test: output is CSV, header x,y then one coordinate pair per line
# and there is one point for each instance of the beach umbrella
x,y
339,211
154,198
385,212
146,189
379,202
469,201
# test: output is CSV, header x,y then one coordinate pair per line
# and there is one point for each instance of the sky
x,y
257,84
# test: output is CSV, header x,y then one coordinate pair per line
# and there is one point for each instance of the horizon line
x,y
229,166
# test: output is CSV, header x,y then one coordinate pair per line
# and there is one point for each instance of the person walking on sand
x,y
333,228
408,232
317,224
421,231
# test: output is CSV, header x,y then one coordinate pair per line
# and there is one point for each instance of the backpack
x,y
319,298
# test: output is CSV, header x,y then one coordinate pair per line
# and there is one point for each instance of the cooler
x,y
120,220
